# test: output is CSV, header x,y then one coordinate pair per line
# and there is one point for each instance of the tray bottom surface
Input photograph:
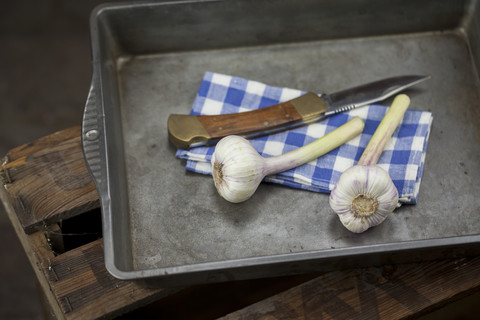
x,y
177,218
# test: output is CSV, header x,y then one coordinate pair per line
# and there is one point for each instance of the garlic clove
x,y
363,197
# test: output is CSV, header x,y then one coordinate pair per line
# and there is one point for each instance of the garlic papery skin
x,y
238,169
363,197
365,194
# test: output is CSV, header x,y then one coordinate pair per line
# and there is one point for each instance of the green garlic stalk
x,y
238,169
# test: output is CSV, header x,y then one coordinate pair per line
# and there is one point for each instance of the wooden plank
x,y
388,292
37,249
47,180
85,290
210,301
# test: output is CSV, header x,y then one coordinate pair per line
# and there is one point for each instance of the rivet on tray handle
x,y
186,131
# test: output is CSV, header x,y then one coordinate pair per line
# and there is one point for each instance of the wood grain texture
x,y
36,248
47,180
249,122
85,290
388,292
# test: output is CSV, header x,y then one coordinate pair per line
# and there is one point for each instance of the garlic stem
x,y
315,149
365,194
238,169
384,131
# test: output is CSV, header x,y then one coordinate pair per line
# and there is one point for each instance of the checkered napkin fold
x,y
403,157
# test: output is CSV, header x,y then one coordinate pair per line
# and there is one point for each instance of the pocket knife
x,y
188,131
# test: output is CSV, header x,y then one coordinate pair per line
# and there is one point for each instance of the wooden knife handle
x,y
187,130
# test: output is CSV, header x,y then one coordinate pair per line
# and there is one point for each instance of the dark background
x,y
45,75
45,71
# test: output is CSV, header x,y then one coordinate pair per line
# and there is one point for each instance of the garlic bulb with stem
x,y
365,194
238,169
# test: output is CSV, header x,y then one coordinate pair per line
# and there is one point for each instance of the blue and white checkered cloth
x,y
403,157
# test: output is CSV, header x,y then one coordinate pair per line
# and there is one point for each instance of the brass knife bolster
x,y
186,131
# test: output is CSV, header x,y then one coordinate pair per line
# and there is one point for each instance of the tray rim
x,y
307,256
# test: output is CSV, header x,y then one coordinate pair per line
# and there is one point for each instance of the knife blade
x,y
188,131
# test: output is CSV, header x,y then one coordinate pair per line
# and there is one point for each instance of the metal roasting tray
x,y
164,224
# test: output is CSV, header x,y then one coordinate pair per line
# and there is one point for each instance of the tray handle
x,y
92,133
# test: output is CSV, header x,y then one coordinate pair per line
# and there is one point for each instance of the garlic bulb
x,y
363,197
238,169
365,194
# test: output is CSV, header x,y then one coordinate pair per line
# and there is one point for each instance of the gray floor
x,y
44,79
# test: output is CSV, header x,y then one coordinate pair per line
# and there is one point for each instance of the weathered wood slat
x,y
47,180
85,289
388,292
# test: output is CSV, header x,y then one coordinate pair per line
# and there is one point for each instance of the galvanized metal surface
x,y
160,220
